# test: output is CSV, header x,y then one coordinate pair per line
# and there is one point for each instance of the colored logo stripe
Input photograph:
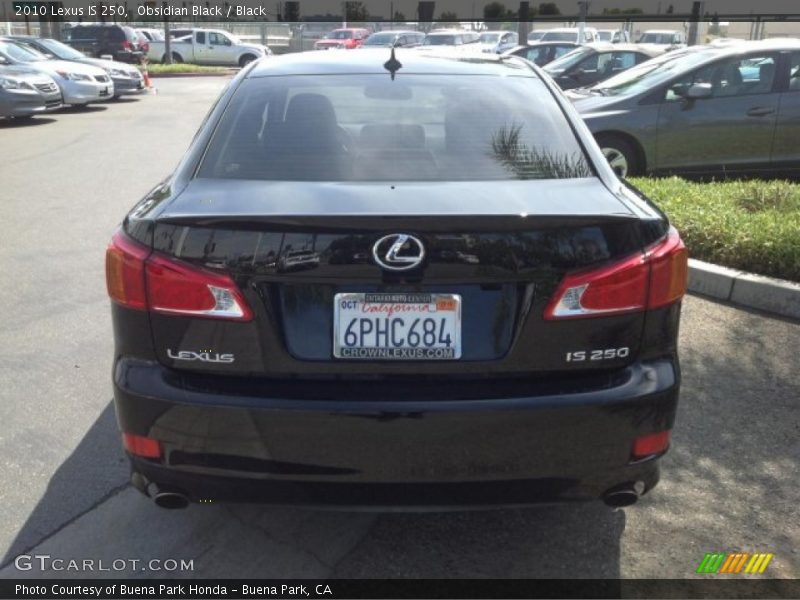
x,y
720,562
711,562
758,563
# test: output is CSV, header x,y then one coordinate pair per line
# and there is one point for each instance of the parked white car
x,y
497,42
208,47
569,34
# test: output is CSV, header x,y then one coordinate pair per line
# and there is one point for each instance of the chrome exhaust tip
x,y
623,496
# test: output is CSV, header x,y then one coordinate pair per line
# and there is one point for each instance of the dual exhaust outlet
x,y
619,497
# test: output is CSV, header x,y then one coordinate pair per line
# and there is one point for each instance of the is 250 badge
x,y
596,355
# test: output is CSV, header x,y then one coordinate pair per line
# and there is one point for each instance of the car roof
x,y
649,49
553,43
369,61
669,31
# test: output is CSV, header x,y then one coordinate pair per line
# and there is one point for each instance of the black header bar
x,y
201,589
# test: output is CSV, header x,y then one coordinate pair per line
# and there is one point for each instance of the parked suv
x,y
118,41
342,38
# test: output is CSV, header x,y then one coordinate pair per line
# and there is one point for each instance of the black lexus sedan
x,y
395,281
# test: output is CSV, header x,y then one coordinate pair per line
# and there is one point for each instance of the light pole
x,y
583,7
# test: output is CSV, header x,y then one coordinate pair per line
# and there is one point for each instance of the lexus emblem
x,y
398,252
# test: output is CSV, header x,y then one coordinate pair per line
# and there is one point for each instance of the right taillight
x,y
669,270
139,279
652,279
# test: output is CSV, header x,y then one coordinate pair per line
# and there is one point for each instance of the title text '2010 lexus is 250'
x,y
403,283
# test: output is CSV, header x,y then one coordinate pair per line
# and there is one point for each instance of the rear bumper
x,y
362,451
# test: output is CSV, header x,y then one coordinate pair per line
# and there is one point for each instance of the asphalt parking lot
x,y
728,484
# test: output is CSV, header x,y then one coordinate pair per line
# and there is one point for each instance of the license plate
x,y
391,326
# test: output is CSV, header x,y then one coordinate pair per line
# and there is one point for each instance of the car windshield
x,y
339,35
569,60
535,35
18,53
380,39
656,38
489,38
651,73
61,50
605,36
413,128
560,36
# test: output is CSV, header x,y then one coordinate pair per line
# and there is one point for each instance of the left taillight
x,y
139,279
657,277
125,261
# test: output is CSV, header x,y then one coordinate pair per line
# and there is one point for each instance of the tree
x,y
548,8
713,28
622,11
448,18
291,11
496,11
356,12
670,9
398,16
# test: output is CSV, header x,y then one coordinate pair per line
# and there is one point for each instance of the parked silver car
x,y
25,93
80,84
592,63
726,109
127,78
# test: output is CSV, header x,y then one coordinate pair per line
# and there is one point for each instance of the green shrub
x,y
178,68
749,225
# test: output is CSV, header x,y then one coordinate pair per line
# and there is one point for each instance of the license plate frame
x,y
439,306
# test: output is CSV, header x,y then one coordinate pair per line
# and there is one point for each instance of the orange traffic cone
x,y
147,83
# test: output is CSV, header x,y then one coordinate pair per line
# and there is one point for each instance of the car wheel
x,y
621,155
176,58
247,58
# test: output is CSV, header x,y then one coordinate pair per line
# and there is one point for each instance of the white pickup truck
x,y
208,47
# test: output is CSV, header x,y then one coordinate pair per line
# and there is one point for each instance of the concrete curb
x,y
226,73
776,296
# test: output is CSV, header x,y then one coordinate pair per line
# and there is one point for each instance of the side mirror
x,y
698,91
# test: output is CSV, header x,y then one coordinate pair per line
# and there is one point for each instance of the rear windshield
x,y
370,128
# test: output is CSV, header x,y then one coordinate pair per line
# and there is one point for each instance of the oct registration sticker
x,y
397,326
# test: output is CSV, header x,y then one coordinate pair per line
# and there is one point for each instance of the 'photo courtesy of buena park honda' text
x,y
400,299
